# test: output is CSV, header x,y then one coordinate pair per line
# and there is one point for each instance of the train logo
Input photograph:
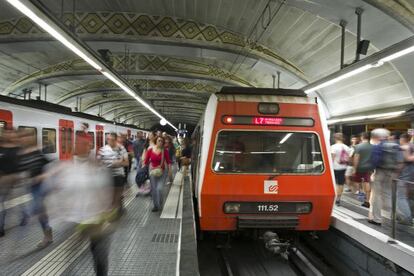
x,y
271,187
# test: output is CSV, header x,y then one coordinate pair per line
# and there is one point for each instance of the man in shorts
x,y
340,157
363,166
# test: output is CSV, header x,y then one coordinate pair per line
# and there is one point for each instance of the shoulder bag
x,y
158,171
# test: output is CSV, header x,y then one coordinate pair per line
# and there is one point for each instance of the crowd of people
x,y
370,166
87,190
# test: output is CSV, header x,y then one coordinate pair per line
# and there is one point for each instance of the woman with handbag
x,y
157,158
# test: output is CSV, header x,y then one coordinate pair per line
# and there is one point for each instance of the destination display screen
x,y
267,121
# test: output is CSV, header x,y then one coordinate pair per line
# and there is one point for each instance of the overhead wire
x,y
264,26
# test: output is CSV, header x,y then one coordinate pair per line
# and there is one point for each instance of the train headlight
x,y
303,208
231,208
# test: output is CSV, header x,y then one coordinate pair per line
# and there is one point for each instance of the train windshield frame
x,y
267,152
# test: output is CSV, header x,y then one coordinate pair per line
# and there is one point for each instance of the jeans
x,y
157,184
403,207
38,207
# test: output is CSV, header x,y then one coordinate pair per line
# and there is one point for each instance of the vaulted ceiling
x,y
177,52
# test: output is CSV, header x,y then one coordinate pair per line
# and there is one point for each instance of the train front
x,y
267,166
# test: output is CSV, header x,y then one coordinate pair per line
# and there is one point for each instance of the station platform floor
x,y
144,242
404,233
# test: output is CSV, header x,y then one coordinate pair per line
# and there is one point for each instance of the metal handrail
x,y
394,206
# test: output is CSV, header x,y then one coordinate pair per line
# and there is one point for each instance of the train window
x,y
91,138
49,140
63,139
92,135
69,132
32,130
106,135
267,152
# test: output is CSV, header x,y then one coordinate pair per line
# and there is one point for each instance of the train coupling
x,y
274,244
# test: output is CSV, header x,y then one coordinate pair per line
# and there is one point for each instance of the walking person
x,y
158,160
404,215
115,157
340,157
9,164
363,167
33,163
385,159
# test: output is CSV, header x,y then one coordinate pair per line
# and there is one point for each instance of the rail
x,y
394,206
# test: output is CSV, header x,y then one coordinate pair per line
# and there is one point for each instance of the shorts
x,y
119,180
349,171
362,177
339,177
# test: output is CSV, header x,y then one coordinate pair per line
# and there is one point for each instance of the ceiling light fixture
x,y
364,117
79,51
377,59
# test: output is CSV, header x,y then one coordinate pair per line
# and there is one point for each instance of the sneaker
x,y
47,239
347,190
366,204
155,209
24,221
357,192
338,203
374,222
2,233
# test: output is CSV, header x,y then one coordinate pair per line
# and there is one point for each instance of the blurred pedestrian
x,y
115,157
9,165
385,159
158,160
350,170
363,168
33,163
404,215
340,157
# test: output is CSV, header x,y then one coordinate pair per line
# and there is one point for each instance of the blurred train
x,y
261,161
56,127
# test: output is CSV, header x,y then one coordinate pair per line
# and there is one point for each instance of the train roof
x,y
56,108
237,90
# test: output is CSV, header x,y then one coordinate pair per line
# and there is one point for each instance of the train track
x,y
249,257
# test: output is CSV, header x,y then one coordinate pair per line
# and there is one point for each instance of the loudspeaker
x,y
363,47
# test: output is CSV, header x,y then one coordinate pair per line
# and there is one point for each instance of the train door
x,y
6,119
99,137
66,135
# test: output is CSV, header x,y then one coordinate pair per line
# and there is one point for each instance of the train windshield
x,y
267,152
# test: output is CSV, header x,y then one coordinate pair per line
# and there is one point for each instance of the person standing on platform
x,y
157,158
350,170
363,167
404,215
115,157
139,147
385,159
340,157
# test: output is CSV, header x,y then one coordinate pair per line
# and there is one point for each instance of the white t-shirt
x,y
336,150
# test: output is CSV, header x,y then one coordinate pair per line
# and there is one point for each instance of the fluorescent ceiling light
x,y
398,54
78,51
285,138
339,78
364,117
25,10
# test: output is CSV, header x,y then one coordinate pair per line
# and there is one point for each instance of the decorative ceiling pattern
x,y
132,26
178,52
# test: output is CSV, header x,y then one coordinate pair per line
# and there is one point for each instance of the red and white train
x,y
261,160
56,126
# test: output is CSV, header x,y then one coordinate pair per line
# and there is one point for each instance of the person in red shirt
x,y
158,160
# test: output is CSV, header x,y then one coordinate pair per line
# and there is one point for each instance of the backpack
x,y
344,157
386,155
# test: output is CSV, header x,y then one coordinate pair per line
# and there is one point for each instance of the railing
x,y
394,205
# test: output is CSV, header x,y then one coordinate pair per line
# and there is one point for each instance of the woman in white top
x,y
340,157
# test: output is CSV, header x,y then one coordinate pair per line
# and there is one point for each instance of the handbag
x,y
158,171
142,175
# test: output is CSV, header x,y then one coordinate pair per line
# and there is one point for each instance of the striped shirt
x,y
33,163
108,155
